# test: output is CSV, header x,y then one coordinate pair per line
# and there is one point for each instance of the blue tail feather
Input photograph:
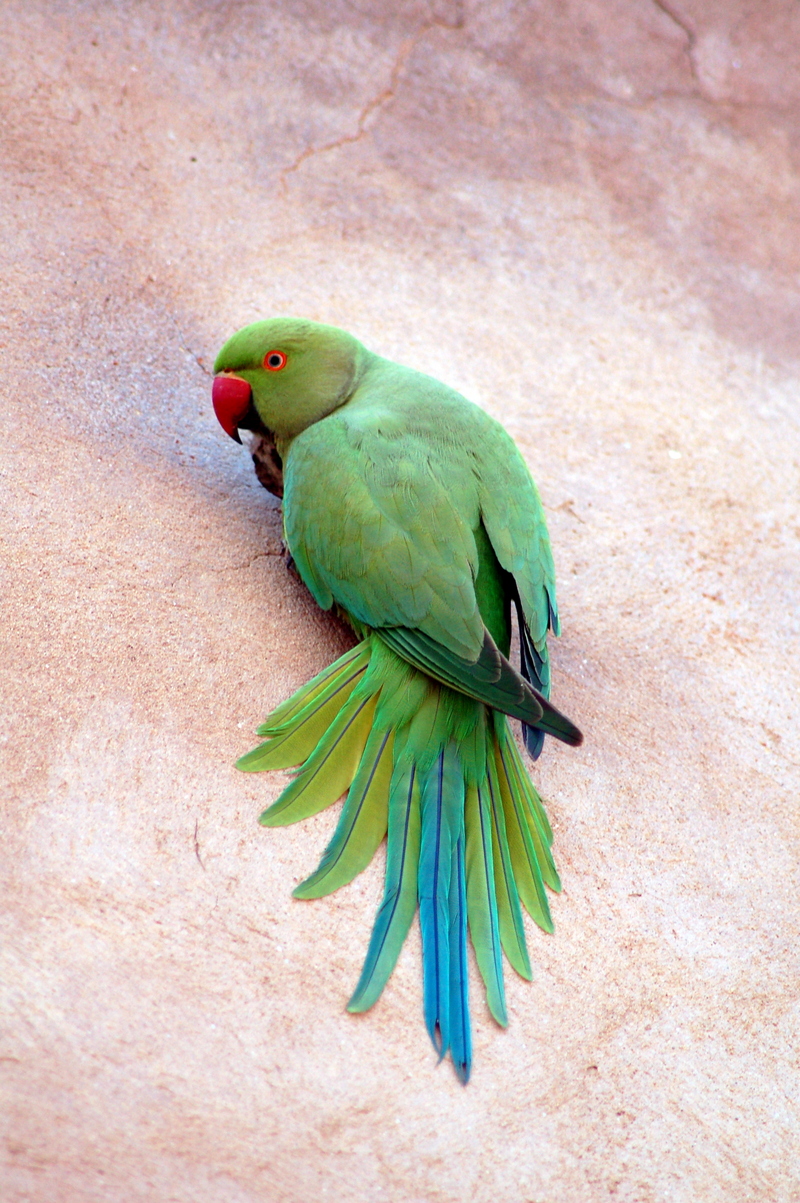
x,y
443,910
435,859
460,1032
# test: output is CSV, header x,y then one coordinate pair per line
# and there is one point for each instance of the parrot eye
x,y
274,361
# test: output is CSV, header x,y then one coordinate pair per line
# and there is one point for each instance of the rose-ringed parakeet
x,y
411,511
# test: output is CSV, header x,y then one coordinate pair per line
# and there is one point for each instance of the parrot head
x,y
280,376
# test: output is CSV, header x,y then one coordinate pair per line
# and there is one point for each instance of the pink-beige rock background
x,y
585,215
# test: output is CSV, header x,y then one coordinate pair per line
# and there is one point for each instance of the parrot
x,y
410,512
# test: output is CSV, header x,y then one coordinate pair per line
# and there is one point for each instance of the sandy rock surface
x,y
584,215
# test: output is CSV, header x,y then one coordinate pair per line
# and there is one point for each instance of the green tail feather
x,y
509,912
482,901
525,863
377,728
296,737
357,657
329,769
362,823
538,825
399,905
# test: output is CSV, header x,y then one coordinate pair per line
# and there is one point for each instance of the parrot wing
x,y
490,679
514,520
383,524
383,527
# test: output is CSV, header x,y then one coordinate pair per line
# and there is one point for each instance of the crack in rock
x,y
197,846
688,32
183,577
382,99
183,344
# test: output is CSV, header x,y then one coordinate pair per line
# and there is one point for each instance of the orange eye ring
x,y
274,361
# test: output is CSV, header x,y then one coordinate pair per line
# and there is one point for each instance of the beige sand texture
x,y
585,215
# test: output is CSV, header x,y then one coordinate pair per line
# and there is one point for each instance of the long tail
x,y
468,838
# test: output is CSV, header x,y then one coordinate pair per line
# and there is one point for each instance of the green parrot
x,y
411,511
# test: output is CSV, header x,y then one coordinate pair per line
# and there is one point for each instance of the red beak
x,y
231,397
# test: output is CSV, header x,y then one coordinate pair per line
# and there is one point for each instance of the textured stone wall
x,y
585,216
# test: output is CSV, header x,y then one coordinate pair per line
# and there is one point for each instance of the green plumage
x,y
411,510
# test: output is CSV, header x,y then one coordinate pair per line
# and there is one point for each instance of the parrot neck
x,y
364,363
